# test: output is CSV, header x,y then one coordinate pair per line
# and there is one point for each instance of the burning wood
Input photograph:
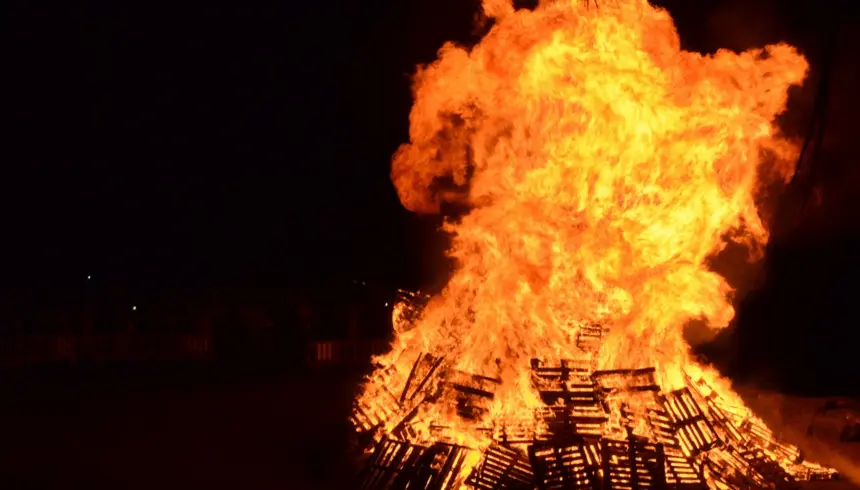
x,y
400,465
473,393
680,450
694,431
631,464
600,166
502,469
566,466
389,459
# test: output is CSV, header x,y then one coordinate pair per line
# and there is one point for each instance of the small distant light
x,y
386,304
89,277
134,308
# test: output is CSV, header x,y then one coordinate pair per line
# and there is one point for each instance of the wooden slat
x,y
621,380
632,465
422,371
694,431
769,470
438,468
389,460
502,469
565,467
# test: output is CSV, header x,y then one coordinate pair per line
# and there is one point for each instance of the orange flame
x,y
602,165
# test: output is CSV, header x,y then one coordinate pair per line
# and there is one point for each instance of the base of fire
x,y
586,436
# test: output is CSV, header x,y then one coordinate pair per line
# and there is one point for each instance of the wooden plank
x,y
571,466
389,459
693,429
632,465
502,469
621,380
438,468
422,371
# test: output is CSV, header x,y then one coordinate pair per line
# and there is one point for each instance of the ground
x,y
193,429
177,430
791,416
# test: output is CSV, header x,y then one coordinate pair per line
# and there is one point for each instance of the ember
x,y
602,166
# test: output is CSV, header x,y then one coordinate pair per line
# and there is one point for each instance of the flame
x,y
601,165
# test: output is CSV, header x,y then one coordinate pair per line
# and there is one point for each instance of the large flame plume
x,y
601,165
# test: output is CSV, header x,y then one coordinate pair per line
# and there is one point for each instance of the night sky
x,y
250,142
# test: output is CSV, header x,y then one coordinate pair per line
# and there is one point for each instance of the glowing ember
x,y
602,165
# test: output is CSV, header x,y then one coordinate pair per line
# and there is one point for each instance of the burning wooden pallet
x,y
681,472
572,466
379,407
814,472
512,433
760,437
693,429
397,465
574,408
690,437
502,469
626,380
382,408
589,339
767,470
438,468
564,422
632,464
570,381
388,461
423,371
473,393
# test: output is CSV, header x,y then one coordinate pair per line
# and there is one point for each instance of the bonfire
x,y
601,166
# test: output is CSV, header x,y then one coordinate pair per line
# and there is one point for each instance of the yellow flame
x,y
602,166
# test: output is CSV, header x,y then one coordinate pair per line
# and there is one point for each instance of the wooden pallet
x,y
379,404
681,473
473,393
811,472
626,380
726,466
569,381
724,418
589,338
693,429
564,422
769,471
571,466
423,370
759,436
510,433
502,469
390,458
437,468
633,464
375,410
662,426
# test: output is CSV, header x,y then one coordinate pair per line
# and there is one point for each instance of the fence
x,y
100,348
344,352
47,349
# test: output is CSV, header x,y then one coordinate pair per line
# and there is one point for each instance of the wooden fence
x,y
344,352
121,347
54,349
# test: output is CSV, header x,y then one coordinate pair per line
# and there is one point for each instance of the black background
x,y
249,142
